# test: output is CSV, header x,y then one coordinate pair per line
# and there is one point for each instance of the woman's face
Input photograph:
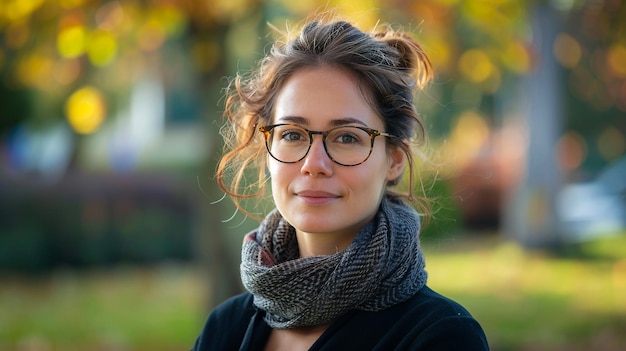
x,y
317,195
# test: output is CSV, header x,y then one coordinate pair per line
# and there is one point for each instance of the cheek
x,y
381,162
273,167
372,179
279,174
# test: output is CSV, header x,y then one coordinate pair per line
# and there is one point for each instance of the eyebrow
x,y
333,123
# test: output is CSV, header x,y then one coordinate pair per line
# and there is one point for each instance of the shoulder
x,y
438,305
226,325
233,309
443,325
427,321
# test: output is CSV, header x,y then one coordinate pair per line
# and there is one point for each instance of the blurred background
x,y
114,236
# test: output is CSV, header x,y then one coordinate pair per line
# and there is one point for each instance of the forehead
x,y
318,96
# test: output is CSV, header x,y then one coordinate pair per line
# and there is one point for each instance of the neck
x,y
322,244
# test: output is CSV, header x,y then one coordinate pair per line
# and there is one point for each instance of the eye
x,y
348,136
293,135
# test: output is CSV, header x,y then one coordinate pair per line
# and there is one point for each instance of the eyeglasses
x,y
346,145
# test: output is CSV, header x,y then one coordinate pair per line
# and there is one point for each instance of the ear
x,y
396,163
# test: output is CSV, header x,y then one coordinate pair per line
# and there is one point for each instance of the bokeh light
x,y
15,10
66,71
571,151
439,51
110,16
616,59
469,135
85,110
567,50
72,41
476,65
101,48
515,56
34,69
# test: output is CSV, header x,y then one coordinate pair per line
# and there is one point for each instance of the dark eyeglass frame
x,y
373,133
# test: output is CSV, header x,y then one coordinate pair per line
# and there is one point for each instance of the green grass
x,y
525,300
533,300
118,309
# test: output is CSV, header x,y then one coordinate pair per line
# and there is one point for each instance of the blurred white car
x,y
596,208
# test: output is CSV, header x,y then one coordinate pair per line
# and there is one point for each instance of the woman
x,y
337,265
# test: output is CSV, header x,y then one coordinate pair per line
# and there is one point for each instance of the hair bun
x,y
411,56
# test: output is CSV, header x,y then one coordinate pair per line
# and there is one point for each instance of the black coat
x,y
427,321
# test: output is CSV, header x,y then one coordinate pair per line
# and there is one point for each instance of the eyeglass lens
x,y
345,145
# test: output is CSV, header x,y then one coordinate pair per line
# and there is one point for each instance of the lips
x,y
315,197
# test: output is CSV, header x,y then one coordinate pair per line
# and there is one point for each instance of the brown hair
x,y
387,63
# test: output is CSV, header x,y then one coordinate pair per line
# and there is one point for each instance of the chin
x,y
313,227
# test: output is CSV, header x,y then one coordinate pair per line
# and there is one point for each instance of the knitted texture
x,y
382,267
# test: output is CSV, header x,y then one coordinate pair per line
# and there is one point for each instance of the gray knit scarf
x,y
382,267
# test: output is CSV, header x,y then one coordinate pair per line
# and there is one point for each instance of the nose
x,y
317,162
